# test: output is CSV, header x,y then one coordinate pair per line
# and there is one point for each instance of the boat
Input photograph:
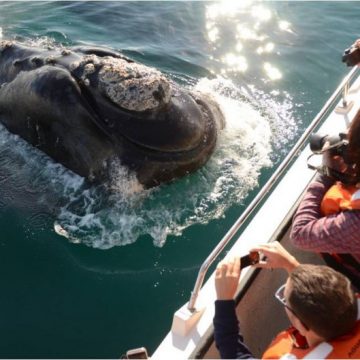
x,y
267,218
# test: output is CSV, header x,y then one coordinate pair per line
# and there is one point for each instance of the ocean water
x,y
128,260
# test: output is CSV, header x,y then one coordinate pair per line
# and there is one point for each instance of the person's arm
x,y
338,233
228,339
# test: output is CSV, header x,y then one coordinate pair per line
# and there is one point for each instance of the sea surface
x,y
129,259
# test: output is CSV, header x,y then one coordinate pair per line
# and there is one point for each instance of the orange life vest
x,y
340,198
284,347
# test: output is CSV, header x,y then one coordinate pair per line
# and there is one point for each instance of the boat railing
x,y
341,90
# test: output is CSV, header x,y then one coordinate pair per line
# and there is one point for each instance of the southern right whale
x,y
87,107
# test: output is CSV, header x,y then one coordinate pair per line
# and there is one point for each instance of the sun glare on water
x,y
238,32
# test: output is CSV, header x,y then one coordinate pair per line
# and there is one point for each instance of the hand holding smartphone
x,y
250,259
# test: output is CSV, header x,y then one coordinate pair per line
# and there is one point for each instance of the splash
x,y
43,42
117,214
102,219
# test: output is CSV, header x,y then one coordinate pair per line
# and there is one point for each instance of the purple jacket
x,y
337,233
333,234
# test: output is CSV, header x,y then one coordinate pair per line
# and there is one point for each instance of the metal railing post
x,y
345,94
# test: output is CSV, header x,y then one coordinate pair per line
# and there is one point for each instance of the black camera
x,y
351,55
335,144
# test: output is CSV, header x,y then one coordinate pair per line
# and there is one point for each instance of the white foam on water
x,y
44,41
247,131
131,211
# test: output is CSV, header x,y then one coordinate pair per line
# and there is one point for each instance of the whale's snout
x,y
210,108
182,137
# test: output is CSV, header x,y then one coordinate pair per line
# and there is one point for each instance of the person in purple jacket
x,y
316,227
335,234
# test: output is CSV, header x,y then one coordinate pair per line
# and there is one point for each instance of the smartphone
x,y
139,353
250,259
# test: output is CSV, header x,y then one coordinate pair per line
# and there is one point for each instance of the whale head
x,y
162,131
88,107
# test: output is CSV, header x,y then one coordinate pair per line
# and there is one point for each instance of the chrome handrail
x,y
345,95
267,187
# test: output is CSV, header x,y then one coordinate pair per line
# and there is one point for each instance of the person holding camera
x,y
319,302
327,220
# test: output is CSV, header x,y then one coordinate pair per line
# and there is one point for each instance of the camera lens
x,y
317,142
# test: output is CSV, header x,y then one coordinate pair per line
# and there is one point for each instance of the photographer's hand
x,y
335,162
276,257
227,278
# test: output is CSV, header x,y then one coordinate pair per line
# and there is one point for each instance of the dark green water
x,y
132,258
